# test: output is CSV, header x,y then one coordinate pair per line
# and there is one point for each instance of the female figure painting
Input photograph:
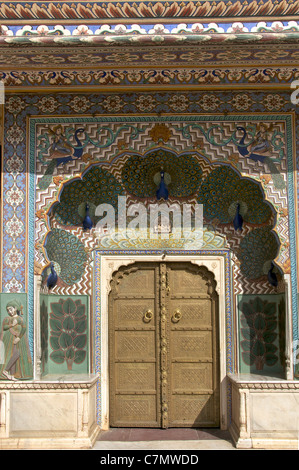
x,y
60,148
15,362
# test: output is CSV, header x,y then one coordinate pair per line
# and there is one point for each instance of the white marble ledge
x,y
256,381
51,381
69,378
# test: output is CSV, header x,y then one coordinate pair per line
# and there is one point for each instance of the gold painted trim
x,y
143,88
150,20
27,203
148,66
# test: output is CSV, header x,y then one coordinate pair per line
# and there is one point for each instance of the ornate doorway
x,y
163,346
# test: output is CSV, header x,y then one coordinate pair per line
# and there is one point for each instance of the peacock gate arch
x,y
204,162
224,194
230,202
191,177
150,111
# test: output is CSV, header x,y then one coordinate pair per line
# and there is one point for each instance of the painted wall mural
x,y
226,152
262,333
15,356
64,334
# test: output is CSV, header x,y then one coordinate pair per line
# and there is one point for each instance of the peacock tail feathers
x,y
277,177
223,188
97,186
68,251
256,248
46,179
139,174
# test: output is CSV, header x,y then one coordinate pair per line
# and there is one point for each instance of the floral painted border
x,y
133,33
149,78
54,11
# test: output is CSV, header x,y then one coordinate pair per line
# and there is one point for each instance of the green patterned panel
x,y
67,349
44,333
261,334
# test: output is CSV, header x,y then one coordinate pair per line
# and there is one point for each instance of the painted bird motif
x,y
238,219
262,146
162,191
87,222
272,278
61,155
52,278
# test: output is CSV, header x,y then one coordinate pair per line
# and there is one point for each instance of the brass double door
x,y
163,347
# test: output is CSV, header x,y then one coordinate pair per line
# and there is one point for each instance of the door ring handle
x,y
176,316
148,316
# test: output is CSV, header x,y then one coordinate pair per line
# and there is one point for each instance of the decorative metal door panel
x,y
193,345
164,347
198,410
134,359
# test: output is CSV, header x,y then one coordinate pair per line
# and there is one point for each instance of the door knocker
x,y
148,316
176,316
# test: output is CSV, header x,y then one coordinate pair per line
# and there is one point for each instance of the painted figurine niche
x,y
15,360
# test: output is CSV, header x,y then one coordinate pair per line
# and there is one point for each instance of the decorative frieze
x,y
141,11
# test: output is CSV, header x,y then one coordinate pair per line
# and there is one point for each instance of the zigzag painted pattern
x,y
246,286
114,156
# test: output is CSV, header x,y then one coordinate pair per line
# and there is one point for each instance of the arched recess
x,y
252,249
106,265
219,187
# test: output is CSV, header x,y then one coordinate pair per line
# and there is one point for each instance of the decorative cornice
x,y
283,385
125,64
144,11
49,385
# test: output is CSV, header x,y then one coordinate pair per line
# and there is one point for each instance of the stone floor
x,y
163,439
